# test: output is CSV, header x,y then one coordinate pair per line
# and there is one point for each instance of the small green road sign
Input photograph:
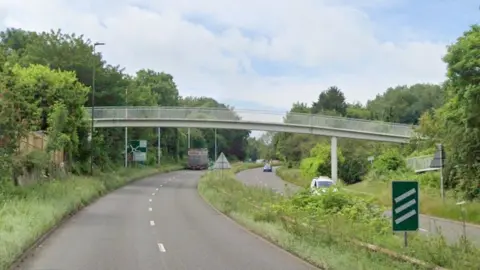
x,y
138,148
405,202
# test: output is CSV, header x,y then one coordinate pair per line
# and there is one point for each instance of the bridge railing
x,y
187,113
420,162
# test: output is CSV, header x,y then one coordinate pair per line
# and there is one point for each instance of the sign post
x,y
138,148
439,162
405,213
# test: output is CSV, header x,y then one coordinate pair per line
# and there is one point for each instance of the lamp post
x,y
93,104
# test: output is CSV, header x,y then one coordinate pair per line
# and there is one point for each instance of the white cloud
x,y
337,39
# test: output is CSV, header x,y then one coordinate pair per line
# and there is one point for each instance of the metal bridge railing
x,y
186,113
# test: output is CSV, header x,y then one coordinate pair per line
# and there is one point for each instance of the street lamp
x,y
93,104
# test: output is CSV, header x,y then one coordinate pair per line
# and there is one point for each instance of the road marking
x,y
152,223
150,209
150,200
153,194
161,247
423,230
161,186
157,188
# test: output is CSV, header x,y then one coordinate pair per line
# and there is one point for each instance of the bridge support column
x,y
126,147
159,148
188,138
215,145
334,161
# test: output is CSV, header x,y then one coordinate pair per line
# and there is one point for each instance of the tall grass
x,y
26,213
324,238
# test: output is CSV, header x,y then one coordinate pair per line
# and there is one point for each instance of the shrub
x,y
391,160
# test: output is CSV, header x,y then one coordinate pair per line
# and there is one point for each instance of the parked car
x,y
267,168
321,184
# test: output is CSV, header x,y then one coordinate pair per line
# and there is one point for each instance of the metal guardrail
x,y
212,114
419,163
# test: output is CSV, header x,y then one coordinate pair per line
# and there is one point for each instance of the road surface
x,y
157,223
452,230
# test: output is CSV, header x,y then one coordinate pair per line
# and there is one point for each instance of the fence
x,y
39,141
421,163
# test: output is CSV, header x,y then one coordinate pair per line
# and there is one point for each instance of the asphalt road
x,y
157,223
451,230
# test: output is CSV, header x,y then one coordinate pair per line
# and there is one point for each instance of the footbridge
x,y
220,118
183,117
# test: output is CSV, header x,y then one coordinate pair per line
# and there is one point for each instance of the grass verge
x,y
27,213
379,188
325,238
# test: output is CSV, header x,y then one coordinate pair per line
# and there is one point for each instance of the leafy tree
x,y
330,100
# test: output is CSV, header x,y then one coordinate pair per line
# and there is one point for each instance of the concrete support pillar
x,y
334,161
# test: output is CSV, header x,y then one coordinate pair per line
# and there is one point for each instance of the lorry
x,y
197,159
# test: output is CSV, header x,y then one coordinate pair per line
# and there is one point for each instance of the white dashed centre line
x,y
152,223
150,209
153,194
157,188
161,247
150,200
161,186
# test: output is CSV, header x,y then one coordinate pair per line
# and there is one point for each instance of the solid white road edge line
x,y
161,247
152,223
423,230
150,209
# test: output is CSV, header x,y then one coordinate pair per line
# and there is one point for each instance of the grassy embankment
x,y
26,213
326,230
379,187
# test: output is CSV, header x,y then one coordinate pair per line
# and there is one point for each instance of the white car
x,y
321,184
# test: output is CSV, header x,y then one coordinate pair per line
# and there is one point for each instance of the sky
x,y
264,54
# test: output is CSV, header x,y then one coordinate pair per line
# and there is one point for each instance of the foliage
x,y
329,222
319,162
40,202
46,80
390,160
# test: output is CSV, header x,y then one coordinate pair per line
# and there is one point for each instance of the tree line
x,y
45,83
446,113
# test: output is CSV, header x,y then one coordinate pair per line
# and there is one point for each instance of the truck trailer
x,y
197,159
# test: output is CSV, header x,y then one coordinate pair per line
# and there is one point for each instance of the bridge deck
x,y
267,117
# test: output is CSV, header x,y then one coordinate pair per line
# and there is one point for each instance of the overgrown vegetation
x,y
326,230
45,85
446,113
29,212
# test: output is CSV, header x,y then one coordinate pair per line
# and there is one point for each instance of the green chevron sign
x,y
405,214
138,148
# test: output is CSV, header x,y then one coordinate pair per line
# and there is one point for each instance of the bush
x,y
319,162
317,226
391,160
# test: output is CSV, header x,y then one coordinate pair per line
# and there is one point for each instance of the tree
x,y
459,117
330,100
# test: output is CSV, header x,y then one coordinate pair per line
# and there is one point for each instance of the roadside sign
x,y
405,214
138,148
438,160
222,163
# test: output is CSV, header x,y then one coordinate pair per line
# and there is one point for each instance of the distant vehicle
x,y
320,185
267,168
197,159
